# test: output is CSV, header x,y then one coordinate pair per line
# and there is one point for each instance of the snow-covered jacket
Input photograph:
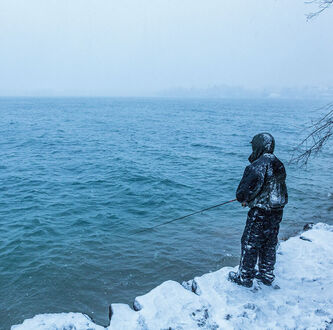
x,y
264,181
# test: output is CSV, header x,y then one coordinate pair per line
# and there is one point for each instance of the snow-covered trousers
x,y
259,242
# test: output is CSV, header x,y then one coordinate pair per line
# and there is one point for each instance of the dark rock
x,y
136,306
187,285
329,325
305,239
110,312
201,317
195,288
308,226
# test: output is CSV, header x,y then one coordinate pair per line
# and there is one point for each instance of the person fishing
x,y
263,189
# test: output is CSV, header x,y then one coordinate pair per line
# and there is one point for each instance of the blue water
x,y
79,175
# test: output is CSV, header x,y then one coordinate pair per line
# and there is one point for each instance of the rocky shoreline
x,y
301,297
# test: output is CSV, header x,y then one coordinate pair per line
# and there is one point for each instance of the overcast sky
x,y
137,47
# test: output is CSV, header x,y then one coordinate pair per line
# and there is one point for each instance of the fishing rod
x,y
183,217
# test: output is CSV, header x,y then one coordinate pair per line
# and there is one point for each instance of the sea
x,y
79,177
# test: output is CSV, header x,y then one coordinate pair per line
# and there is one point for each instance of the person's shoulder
x,y
277,164
277,160
270,158
260,163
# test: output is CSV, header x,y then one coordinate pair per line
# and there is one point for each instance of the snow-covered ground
x,y
302,297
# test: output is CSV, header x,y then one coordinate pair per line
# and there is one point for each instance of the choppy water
x,y
77,176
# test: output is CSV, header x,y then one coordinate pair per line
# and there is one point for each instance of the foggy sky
x,y
138,47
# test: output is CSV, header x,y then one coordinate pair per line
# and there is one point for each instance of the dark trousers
x,y
259,242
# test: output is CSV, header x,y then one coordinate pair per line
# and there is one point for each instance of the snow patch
x,y
63,321
302,297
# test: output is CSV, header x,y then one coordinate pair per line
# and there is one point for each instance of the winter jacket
x,y
264,181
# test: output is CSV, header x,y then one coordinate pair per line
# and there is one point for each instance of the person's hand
x,y
244,204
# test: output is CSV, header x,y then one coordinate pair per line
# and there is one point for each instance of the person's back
x,y
264,190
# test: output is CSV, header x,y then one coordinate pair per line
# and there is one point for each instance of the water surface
x,y
78,176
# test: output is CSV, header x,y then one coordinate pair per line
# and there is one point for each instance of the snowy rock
x,y
123,317
63,321
302,297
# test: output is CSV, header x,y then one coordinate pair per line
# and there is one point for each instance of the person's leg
x,y
250,244
267,254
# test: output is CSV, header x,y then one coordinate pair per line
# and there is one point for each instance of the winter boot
x,y
236,278
267,280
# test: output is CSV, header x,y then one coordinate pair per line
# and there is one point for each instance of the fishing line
x,y
183,217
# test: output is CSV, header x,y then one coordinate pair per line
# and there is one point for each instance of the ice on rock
x,y
304,300
170,305
63,321
123,317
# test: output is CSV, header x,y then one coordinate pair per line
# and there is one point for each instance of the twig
x,y
312,144
322,5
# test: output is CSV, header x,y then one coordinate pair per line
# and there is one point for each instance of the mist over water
x,y
79,175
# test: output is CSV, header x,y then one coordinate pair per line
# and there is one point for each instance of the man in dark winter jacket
x,y
263,189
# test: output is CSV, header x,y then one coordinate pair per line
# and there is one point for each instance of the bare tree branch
x,y
321,4
320,132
